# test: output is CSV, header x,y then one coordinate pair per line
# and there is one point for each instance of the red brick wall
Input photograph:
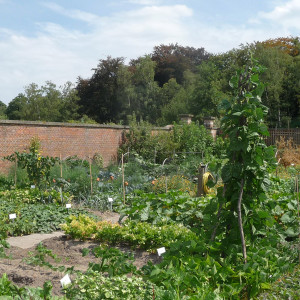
x,y
58,139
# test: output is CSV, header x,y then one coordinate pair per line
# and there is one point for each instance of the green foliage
x,y
245,175
32,217
173,207
35,195
94,285
41,256
184,139
286,287
45,103
112,260
36,165
10,291
136,234
192,138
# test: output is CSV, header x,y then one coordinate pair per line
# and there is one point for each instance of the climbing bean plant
x,y
246,174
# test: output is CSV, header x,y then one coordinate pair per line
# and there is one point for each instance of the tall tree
x,y
173,60
45,103
3,110
146,102
98,95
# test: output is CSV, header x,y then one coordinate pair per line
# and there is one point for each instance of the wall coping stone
x,y
76,125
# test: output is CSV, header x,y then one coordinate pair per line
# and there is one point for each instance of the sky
x,y
60,40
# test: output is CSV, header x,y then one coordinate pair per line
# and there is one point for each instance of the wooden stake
x,y
16,167
241,222
297,194
61,172
201,172
90,161
123,179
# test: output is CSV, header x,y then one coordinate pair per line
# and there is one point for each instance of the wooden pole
x,y
297,195
239,208
91,176
61,173
201,171
16,167
123,179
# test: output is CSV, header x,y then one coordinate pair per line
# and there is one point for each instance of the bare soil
x,y
70,253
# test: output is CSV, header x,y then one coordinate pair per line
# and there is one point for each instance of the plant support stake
x,y
240,221
91,176
123,181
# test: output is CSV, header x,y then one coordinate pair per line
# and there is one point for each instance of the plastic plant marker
x,y
12,216
65,280
161,251
110,200
68,205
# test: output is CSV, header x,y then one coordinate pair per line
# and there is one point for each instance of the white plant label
x,y
161,251
68,205
110,199
65,280
32,186
12,216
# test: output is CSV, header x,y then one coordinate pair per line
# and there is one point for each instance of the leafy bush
x,y
140,235
157,146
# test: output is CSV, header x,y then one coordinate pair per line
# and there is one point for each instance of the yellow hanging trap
x,y
207,176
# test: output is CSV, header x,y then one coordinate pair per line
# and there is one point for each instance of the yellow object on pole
x,y
207,176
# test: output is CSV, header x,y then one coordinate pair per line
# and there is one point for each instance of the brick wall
x,y
57,139
65,139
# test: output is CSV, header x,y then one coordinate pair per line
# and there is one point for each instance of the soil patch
x,y
70,252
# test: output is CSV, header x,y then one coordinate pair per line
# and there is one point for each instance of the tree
x,y
174,101
3,110
288,45
14,110
278,64
211,83
99,94
173,60
45,103
146,101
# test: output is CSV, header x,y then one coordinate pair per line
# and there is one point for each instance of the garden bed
x,y
70,252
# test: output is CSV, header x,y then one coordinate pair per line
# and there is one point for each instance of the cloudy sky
x,y
60,40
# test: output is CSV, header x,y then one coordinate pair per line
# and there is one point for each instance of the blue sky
x,y
60,40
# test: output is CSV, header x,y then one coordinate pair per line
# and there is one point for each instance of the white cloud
x,y
59,54
74,13
286,15
143,2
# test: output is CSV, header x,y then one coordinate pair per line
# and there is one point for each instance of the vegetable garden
x,y
240,241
